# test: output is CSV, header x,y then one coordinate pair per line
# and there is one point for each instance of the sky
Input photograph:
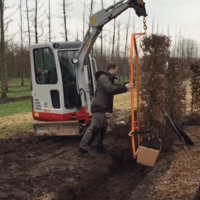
x,y
176,17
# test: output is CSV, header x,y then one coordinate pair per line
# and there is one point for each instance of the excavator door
x,y
58,103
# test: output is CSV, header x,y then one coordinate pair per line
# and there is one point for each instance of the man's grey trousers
x,y
97,128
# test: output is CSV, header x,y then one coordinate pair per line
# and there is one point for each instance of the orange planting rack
x,y
135,119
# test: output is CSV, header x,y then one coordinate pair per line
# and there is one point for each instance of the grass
x,y
16,117
188,95
17,82
16,90
123,101
16,123
16,107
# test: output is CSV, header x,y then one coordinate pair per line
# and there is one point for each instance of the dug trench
x,y
34,168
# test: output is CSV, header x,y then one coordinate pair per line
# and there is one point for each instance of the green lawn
x,y
17,82
15,107
16,117
16,90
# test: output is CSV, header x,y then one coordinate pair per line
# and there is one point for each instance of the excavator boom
x,y
98,20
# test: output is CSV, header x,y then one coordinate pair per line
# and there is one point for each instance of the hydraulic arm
x,y
98,20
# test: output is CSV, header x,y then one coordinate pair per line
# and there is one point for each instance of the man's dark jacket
x,y
105,91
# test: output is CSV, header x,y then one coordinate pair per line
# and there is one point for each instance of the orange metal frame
x,y
135,123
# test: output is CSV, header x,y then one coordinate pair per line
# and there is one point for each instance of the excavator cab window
x,y
68,74
45,68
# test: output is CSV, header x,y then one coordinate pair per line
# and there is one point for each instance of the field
x,y
48,168
15,90
15,114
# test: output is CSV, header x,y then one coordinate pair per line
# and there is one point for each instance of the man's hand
x,y
129,86
39,72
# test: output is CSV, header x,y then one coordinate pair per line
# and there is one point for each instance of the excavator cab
x,y
56,96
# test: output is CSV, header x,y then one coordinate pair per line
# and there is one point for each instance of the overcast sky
x,y
181,16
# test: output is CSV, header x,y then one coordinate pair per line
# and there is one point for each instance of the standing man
x,y
103,102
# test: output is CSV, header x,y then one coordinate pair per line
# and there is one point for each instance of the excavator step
x,y
58,128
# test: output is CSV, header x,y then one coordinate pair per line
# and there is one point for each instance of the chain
x,y
144,24
144,20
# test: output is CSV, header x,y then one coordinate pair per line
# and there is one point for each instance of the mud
x,y
48,168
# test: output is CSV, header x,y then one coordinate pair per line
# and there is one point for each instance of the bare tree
x,y
11,58
90,15
185,48
101,37
28,23
157,28
29,34
113,39
22,46
83,19
91,9
49,20
125,48
65,5
65,20
118,49
2,53
36,22
152,24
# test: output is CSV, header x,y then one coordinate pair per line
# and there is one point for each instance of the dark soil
x,y
48,168
193,119
153,143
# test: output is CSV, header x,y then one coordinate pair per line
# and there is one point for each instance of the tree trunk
x,y
113,42
65,20
125,48
29,36
2,53
36,31
28,25
91,10
49,18
113,39
101,37
118,52
22,52
84,21
38,23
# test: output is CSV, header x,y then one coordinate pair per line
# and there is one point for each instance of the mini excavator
x,y
63,81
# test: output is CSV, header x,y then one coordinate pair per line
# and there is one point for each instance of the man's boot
x,y
82,152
